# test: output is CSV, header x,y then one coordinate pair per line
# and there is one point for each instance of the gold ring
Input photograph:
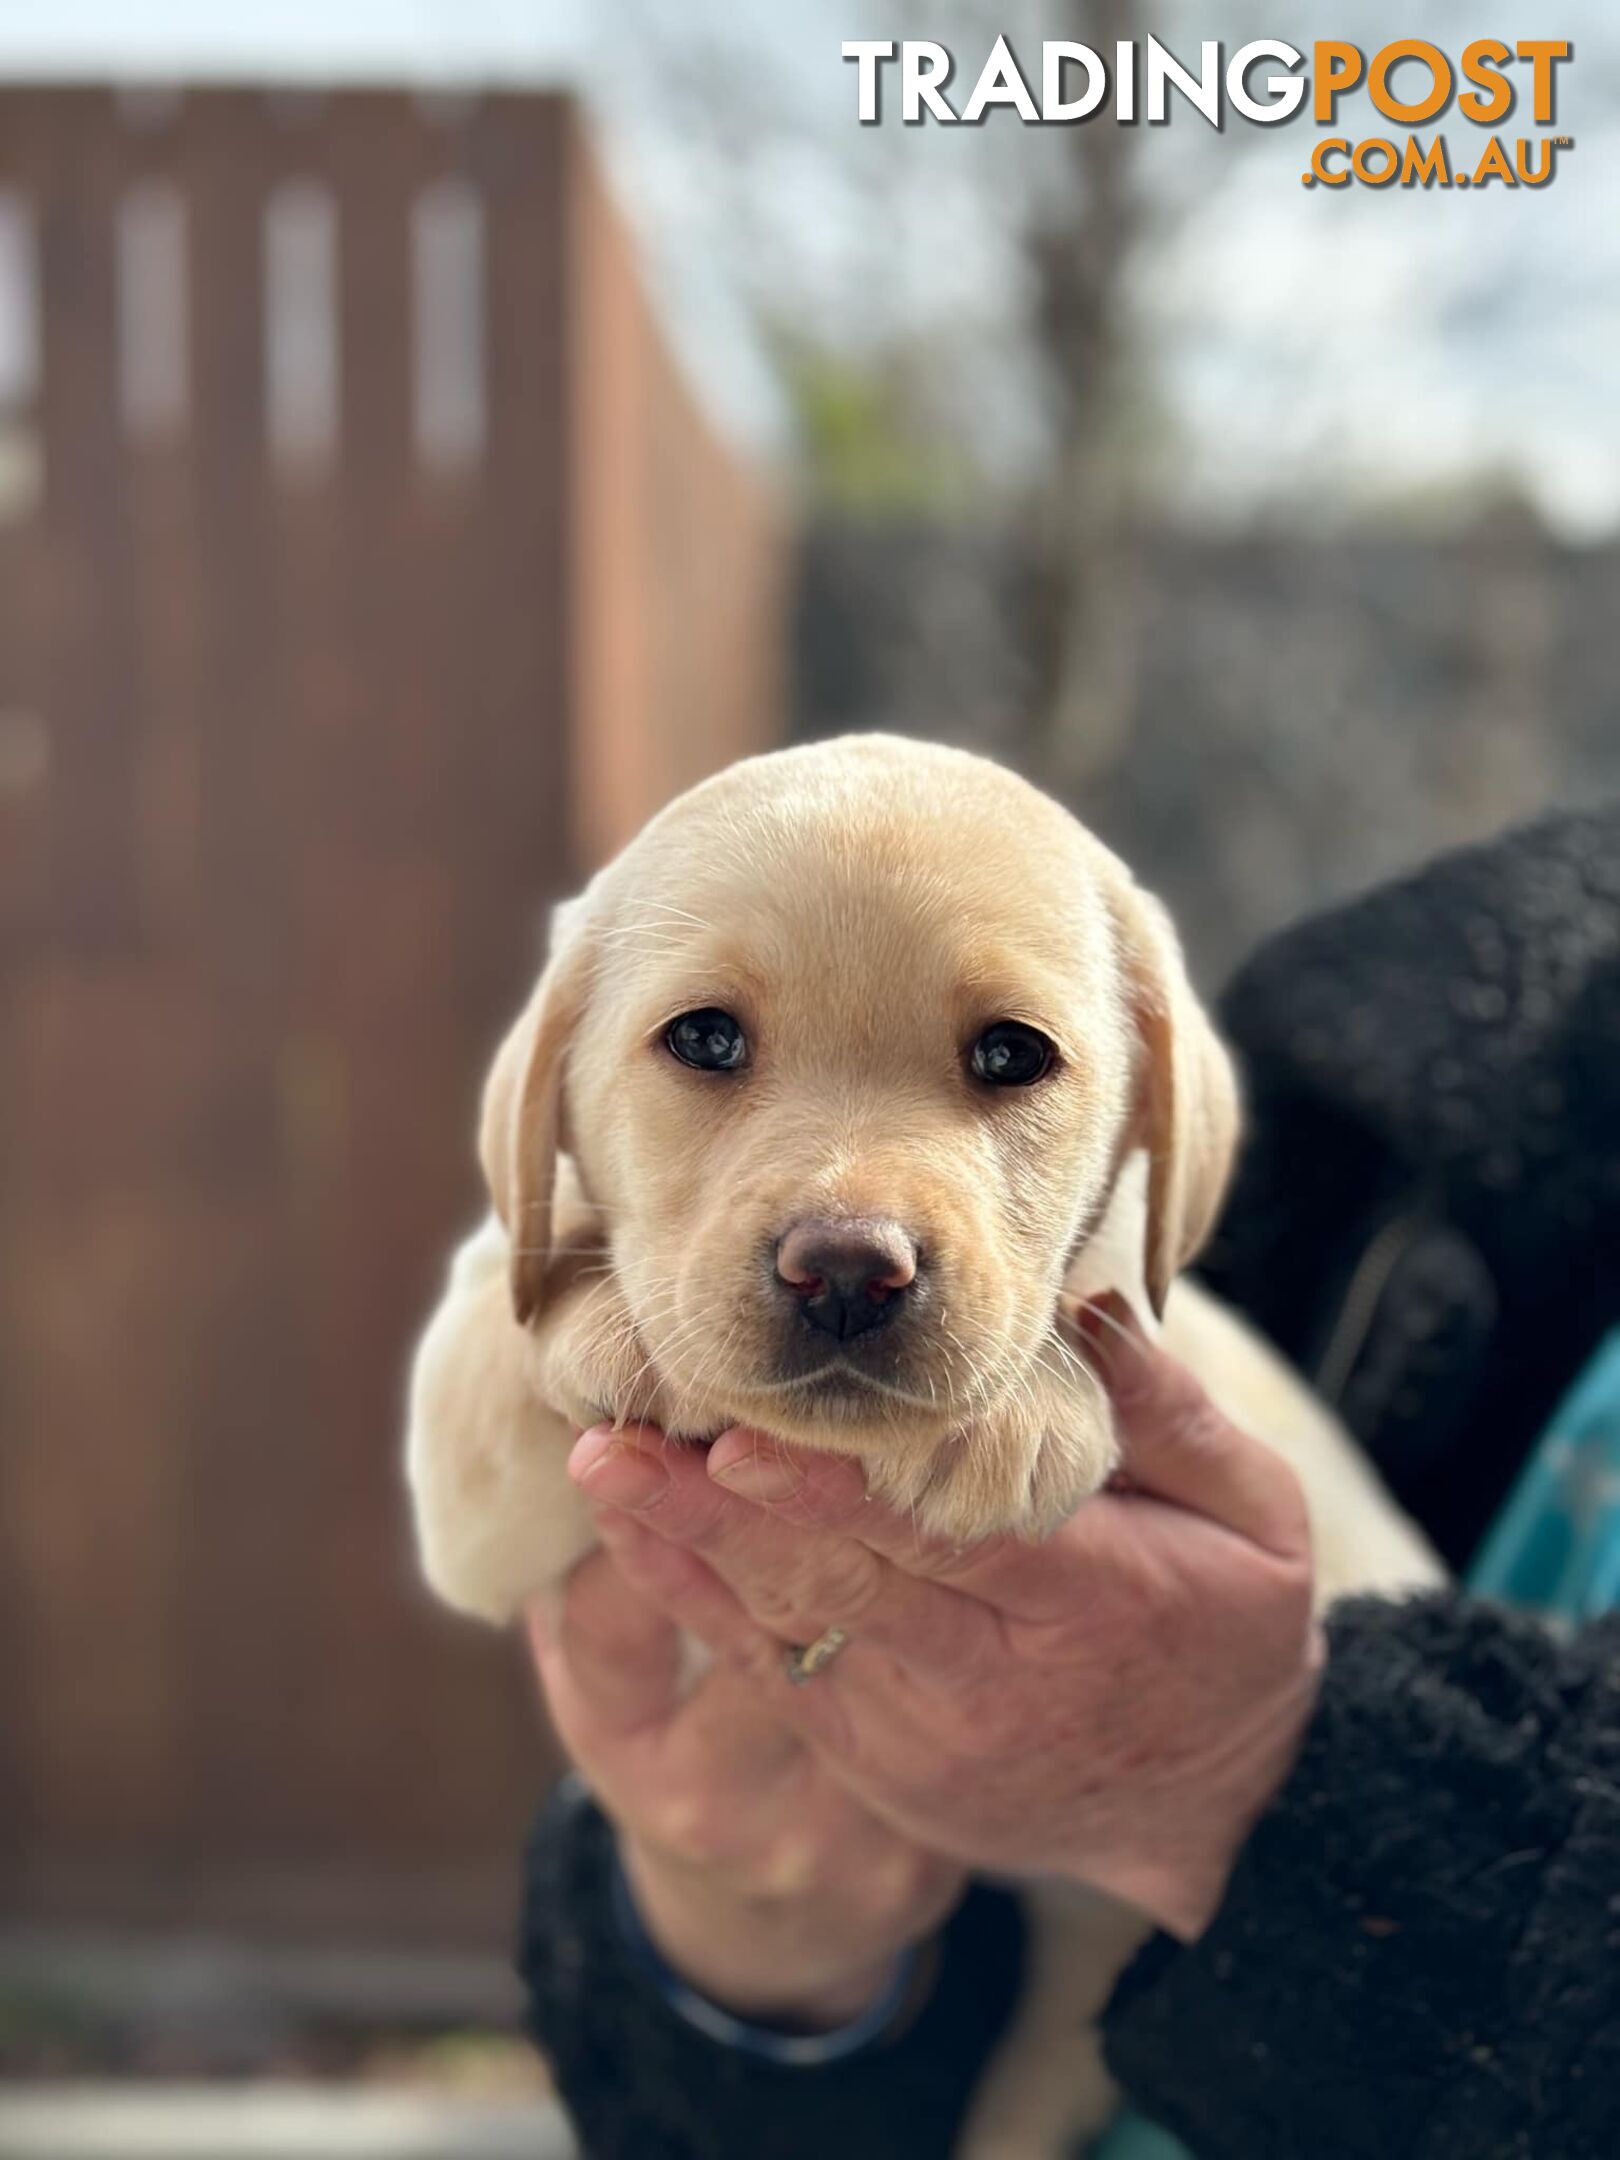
x,y
802,1661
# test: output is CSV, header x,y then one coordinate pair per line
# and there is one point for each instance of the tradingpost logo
x,y
1407,114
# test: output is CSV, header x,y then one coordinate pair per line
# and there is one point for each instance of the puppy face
x,y
848,1047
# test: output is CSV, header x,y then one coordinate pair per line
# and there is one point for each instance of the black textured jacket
x,y
1419,1951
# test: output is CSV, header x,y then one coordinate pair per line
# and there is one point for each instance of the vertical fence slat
x,y
87,681
311,783
96,1061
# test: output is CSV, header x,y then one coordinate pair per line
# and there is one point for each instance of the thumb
x,y
1179,1447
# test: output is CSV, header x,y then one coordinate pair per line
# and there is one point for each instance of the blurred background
x,y
431,433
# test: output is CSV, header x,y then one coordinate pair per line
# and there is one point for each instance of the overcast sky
x,y
1313,347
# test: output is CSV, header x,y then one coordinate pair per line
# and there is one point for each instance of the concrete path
x,y
270,2122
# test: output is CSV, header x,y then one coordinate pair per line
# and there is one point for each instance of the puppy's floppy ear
x,y
521,1131
1187,1096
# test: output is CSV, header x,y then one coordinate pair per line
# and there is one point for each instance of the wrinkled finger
x,y
796,1537
798,1485
682,1588
1026,1581
1180,1448
793,1584
662,1482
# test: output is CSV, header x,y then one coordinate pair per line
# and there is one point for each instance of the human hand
x,y
1118,1704
757,1874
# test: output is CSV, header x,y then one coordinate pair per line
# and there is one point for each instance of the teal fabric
x,y
1134,2138
1554,1549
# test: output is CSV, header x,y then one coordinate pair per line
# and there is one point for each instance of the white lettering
x,y
869,53
1056,54
1165,71
1283,93
1125,79
1000,83
918,89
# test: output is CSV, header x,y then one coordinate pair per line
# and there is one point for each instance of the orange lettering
x,y
1422,167
1338,69
1381,174
1482,63
1390,58
1494,165
1543,55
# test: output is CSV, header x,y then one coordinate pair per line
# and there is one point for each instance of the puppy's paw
x,y
589,1363
1023,1467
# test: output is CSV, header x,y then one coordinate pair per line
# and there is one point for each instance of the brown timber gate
x,y
365,571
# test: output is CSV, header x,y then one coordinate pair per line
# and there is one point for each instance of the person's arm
x,y
1339,2000
648,2072
742,1959
1419,1947
1391,1913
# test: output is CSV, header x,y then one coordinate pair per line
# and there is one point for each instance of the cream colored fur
x,y
866,908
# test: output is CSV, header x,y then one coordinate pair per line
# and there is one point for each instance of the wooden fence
x,y
365,572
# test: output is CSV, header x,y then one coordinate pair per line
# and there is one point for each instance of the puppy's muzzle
x,y
846,1276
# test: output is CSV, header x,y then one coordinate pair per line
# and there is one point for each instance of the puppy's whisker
x,y
1069,1360
661,1362
648,940
1125,1334
680,914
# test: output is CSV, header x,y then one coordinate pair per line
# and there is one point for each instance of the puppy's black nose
x,y
848,1274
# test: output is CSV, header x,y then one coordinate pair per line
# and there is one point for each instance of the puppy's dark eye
x,y
1011,1055
709,1041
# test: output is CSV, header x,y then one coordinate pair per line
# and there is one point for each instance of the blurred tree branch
x,y
1080,247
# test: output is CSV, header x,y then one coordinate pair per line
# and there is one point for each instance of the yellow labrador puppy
x,y
845,1081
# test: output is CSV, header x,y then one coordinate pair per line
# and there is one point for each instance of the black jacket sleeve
x,y
1426,1214
1419,1952
641,2083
